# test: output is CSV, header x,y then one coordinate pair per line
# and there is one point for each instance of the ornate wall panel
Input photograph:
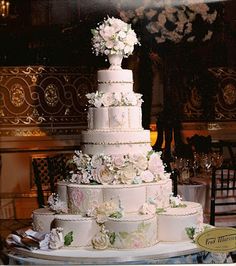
x,y
221,101
38,101
225,103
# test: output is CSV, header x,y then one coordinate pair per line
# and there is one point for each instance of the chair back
x,y
47,171
223,192
174,177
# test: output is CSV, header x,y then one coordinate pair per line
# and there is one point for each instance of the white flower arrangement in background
x,y
170,20
99,99
118,169
113,36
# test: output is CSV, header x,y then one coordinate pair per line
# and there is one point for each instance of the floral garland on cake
x,y
99,99
113,36
118,169
171,21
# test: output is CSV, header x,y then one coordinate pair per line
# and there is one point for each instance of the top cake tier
x,y
117,80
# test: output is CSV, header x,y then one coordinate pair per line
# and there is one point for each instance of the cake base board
x,y
90,256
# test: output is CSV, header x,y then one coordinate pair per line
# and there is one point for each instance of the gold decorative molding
x,y
51,99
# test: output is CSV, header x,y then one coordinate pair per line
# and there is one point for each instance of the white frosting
x,y
133,231
118,149
115,76
118,117
129,197
42,220
159,193
173,222
83,228
62,190
83,199
125,87
115,137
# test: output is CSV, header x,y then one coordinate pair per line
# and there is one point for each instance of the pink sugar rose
x,y
118,161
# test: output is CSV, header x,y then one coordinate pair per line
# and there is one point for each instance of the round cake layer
x,y
115,137
62,190
124,87
118,117
115,76
133,231
42,220
84,198
172,223
82,229
116,149
159,193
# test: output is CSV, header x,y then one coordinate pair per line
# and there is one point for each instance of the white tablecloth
x,y
195,193
201,193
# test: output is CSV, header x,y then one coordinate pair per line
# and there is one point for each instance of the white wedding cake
x,y
119,195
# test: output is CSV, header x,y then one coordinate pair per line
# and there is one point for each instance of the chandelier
x,y
4,8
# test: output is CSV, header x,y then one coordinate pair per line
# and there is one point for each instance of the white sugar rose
x,y
107,99
147,209
140,161
104,210
155,164
102,175
101,240
96,161
147,176
117,98
130,99
56,239
127,174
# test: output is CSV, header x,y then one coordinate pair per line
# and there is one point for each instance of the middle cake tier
x,y
115,142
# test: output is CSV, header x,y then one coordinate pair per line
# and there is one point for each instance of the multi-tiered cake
x,y
119,195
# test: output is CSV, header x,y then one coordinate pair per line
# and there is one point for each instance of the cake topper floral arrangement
x,y
113,36
171,20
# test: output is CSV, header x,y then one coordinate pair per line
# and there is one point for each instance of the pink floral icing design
x,y
76,196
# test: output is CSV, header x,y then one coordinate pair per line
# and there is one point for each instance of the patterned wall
x,y
222,98
37,100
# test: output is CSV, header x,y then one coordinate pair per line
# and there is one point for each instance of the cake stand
x,y
152,255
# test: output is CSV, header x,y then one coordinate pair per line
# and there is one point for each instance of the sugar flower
x,y
113,36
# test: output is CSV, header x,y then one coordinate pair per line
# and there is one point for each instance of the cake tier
x,y
115,137
82,229
84,198
42,220
133,231
62,191
118,117
116,149
119,80
172,223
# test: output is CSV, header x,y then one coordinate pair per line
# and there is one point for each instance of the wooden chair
x,y
47,171
223,193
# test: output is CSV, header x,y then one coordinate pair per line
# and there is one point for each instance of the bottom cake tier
x,y
128,232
